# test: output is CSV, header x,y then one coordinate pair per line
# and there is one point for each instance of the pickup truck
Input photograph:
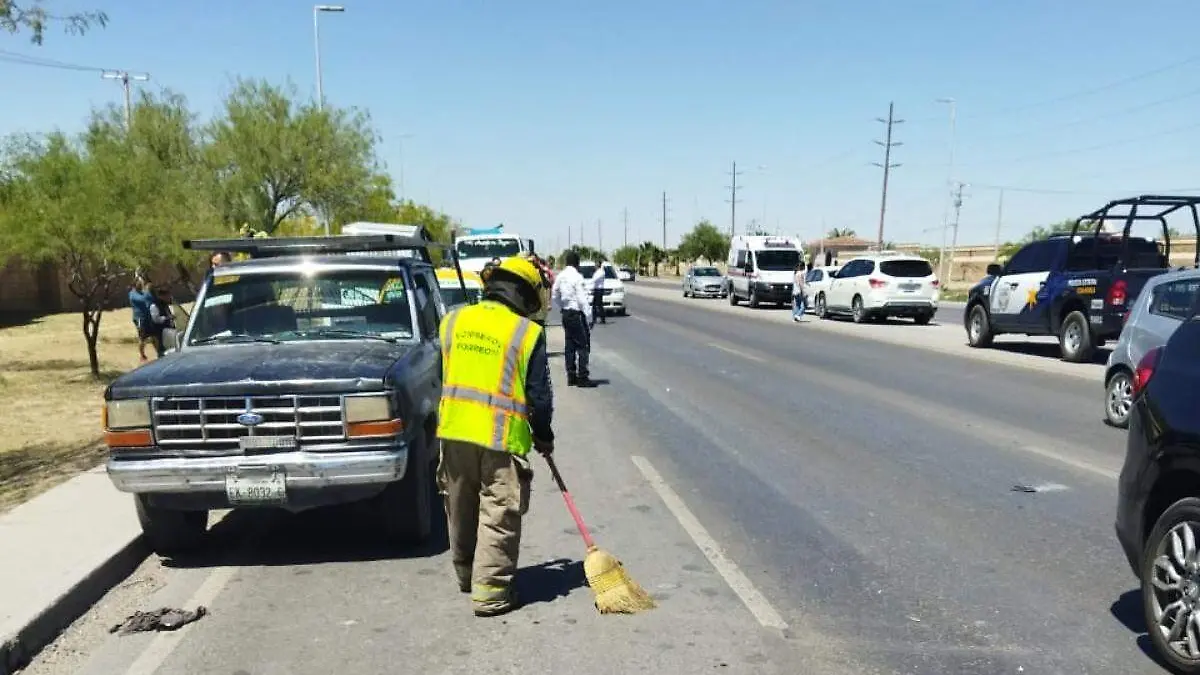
x,y
305,377
1077,286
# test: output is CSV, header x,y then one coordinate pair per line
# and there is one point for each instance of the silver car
x,y
1164,303
704,281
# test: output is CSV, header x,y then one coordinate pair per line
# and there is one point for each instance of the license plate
x,y
256,487
909,287
266,443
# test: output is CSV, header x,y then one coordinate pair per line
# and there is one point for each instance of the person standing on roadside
x,y
161,318
139,302
598,295
496,406
572,294
798,284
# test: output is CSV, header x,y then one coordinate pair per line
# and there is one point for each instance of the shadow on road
x,y
343,533
549,581
1050,351
1128,610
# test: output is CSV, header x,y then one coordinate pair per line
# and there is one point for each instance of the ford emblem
x,y
250,419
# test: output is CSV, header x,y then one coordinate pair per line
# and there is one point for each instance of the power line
x,y
40,62
1091,148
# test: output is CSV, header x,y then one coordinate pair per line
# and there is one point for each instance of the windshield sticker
x,y
225,279
223,299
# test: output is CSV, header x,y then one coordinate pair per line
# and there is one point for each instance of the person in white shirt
x,y
572,294
598,295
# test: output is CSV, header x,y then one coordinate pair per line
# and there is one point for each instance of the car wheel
x,y
979,328
405,508
923,319
857,311
685,292
1075,338
1171,585
753,298
1118,399
733,300
623,312
168,532
820,309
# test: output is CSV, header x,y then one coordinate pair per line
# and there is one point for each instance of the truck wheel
x,y
753,298
404,507
1075,338
979,328
168,532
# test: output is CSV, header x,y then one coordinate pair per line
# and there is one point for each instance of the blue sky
x,y
552,115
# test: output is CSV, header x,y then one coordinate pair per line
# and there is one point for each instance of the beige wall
x,y
43,289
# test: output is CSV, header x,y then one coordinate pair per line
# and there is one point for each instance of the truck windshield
x,y
291,306
777,260
490,247
454,295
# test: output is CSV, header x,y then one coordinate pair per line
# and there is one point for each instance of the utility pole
x,y
599,237
942,261
999,225
733,200
664,220
125,77
569,242
317,9
887,165
625,224
958,190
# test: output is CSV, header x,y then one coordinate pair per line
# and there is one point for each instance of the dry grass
x,y
50,403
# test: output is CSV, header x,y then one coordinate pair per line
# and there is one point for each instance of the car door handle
x,y
1014,284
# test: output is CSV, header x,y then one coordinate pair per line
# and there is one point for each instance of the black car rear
x,y
1158,509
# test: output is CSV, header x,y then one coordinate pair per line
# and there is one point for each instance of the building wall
x,y
43,289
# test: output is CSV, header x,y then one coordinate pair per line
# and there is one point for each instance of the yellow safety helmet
x,y
523,270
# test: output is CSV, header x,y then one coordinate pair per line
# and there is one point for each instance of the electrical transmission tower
x,y
887,165
733,200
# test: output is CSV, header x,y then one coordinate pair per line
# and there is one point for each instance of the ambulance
x,y
762,269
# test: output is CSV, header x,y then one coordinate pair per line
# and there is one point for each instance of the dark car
x,y
1158,504
303,378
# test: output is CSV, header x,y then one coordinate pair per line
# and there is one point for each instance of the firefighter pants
x,y
487,493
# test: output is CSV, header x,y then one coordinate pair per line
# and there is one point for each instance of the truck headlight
x,y
127,414
374,408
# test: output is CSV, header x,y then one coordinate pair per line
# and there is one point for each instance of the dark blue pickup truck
x,y
1076,286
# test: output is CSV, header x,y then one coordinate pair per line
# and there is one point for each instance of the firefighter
x,y
496,406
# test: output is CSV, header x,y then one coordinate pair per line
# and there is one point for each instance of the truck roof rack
x,y
418,241
1141,208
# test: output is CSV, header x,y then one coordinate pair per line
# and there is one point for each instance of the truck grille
x,y
211,423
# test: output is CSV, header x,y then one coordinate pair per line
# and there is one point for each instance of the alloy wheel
x,y
1175,601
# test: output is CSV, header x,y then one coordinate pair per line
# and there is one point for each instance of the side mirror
x,y
994,270
529,243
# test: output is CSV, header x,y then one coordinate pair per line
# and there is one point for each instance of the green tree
x,y
841,232
704,241
33,17
273,157
627,255
1040,232
651,255
106,203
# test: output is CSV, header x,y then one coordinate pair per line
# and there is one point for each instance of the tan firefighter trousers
x,y
486,494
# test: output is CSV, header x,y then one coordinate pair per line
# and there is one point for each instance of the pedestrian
x,y
496,406
798,300
598,295
572,294
140,300
161,318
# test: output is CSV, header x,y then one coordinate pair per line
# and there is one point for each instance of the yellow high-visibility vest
x,y
486,349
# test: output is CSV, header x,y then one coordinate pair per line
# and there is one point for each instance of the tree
x,y
272,157
33,17
652,254
1039,232
704,241
376,204
627,255
836,233
106,203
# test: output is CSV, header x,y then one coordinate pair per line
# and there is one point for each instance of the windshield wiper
x,y
343,332
238,337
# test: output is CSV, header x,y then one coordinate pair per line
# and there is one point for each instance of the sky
x,y
555,118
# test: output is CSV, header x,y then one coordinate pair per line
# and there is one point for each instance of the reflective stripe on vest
x,y
478,406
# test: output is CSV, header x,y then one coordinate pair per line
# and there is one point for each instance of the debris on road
x,y
1023,488
162,619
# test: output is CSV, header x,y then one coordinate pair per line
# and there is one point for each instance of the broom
x,y
615,592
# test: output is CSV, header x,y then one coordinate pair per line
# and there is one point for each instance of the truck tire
x,y
169,532
1075,338
405,507
753,298
979,328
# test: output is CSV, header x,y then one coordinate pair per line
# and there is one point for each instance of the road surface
x,y
798,500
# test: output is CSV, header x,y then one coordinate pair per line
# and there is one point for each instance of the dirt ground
x,y
49,402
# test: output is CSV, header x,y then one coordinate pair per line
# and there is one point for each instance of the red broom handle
x,y
562,487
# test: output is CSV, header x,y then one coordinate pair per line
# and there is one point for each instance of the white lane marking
x,y
736,352
637,318
755,601
1069,461
149,661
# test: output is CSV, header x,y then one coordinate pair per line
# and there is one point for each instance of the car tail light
x,y
1145,369
878,283
934,283
1116,294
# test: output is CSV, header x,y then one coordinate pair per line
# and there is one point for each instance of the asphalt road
x,y
751,475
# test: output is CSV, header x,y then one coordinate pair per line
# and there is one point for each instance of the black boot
x,y
572,379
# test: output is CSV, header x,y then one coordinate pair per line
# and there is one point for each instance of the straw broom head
x,y
615,592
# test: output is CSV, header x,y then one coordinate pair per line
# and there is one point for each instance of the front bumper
x,y
710,292
614,302
310,477
766,292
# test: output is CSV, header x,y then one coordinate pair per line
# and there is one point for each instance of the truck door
x,y
1017,300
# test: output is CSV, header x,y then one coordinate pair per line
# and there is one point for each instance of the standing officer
x,y
496,405
572,293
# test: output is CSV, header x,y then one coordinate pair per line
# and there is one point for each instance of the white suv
x,y
881,285
614,288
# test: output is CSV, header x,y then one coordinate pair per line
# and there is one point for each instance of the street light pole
x,y
942,263
317,9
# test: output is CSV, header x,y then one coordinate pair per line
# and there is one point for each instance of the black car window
x,y
1037,256
906,268
1175,299
428,298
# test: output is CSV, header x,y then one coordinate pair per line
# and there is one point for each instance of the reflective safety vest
x,y
486,349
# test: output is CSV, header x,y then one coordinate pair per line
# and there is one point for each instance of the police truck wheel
x,y
169,532
1075,338
979,328
405,508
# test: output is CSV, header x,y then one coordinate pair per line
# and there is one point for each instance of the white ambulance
x,y
762,268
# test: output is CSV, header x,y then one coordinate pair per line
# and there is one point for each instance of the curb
x,y
16,651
